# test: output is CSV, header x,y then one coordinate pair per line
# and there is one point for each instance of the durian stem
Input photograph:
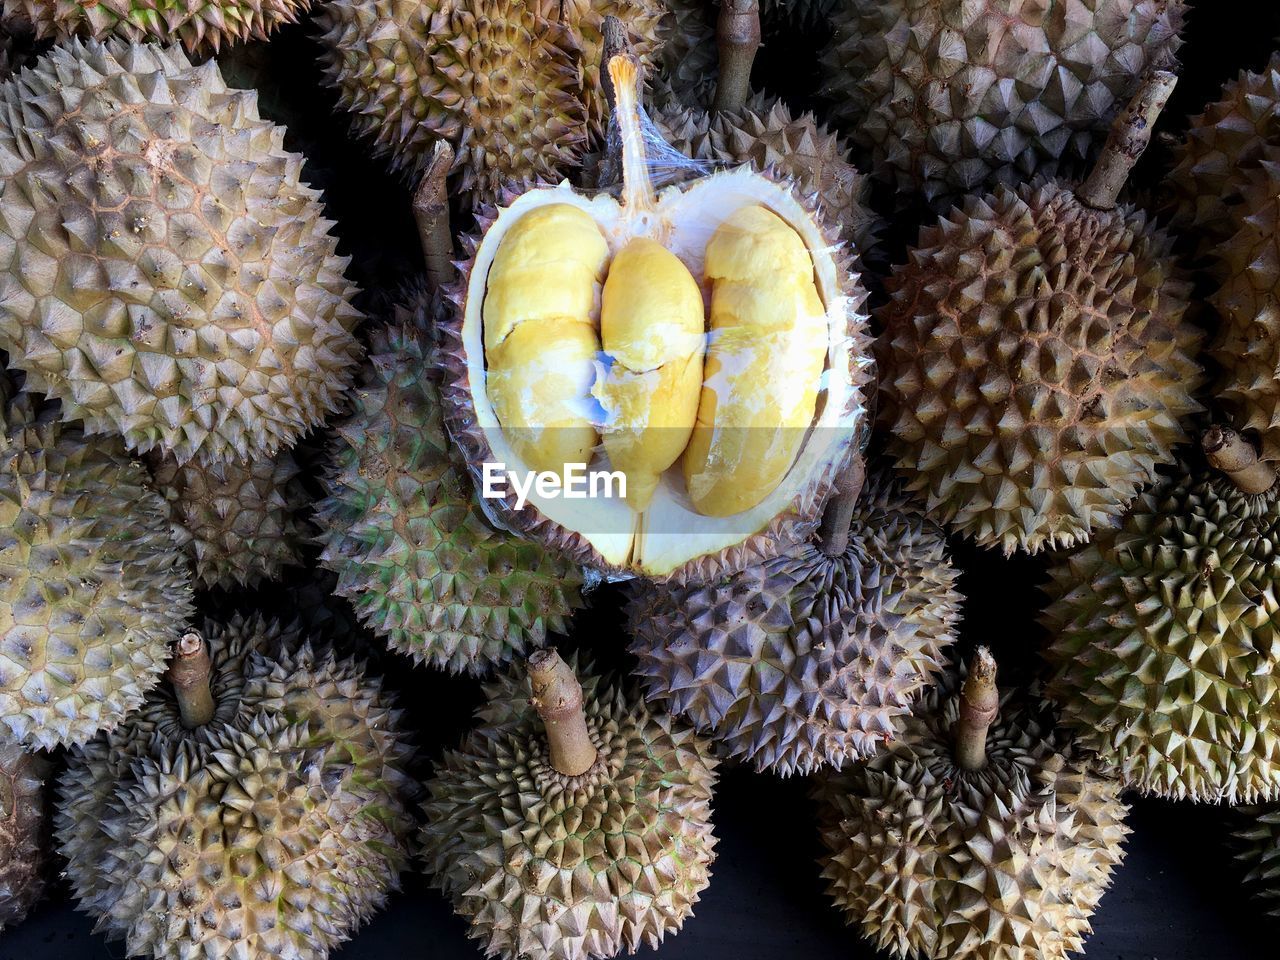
x,y
979,704
1229,452
616,44
637,188
189,673
833,534
737,39
431,211
1129,136
557,696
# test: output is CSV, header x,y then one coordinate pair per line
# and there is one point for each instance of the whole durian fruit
x,y
165,274
513,85
981,834
23,832
255,807
687,74
573,822
951,96
92,587
1165,634
1256,838
1036,359
236,521
809,658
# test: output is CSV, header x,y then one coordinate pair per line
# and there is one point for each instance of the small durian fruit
x,y
810,658
404,532
688,64
92,587
1037,361
163,271
236,521
573,823
1165,634
1255,835
257,806
982,833
24,828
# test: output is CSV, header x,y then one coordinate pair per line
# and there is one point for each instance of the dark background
x,y
1178,896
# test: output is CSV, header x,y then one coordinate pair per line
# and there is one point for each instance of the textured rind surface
x,y
1004,863
275,830
689,64
949,97
513,85
1165,643
806,660
92,587
401,528
23,832
1222,144
164,272
1256,838
550,867
790,526
1036,366
236,521
1247,347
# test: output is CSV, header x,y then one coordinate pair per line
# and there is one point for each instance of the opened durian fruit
x,y
983,833
729,441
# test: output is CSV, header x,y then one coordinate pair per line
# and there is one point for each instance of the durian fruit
x,y
951,96
403,531
527,392
1222,145
1256,838
92,587
687,74
813,656
164,272
236,521
15,46
573,823
983,833
257,806
1165,634
513,85
1037,361
24,822
200,25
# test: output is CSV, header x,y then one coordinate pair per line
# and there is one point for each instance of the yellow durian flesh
x,y
541,313
652,329
765,357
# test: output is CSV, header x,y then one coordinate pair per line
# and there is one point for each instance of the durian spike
x,y
979,704
189,673
1229,452
637,188
737,40
1129,136
833,533
431,211
557,696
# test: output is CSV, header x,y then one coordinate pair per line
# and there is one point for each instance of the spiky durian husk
x,y
403,531
1211,170
1256,838
1004,863
166,275
15,45
690,62
767,135
23,832
1037,364
514,85
92,587
551,867
274,830
948,97
799,14
236,521
1164,639
1247,347
806,660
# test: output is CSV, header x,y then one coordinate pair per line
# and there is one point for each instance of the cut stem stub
x,y
190,671
979,704
1129,136
833,534
431,212
557,696
1229,452
737,40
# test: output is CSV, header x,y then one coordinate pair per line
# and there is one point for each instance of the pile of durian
x,y
632,373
